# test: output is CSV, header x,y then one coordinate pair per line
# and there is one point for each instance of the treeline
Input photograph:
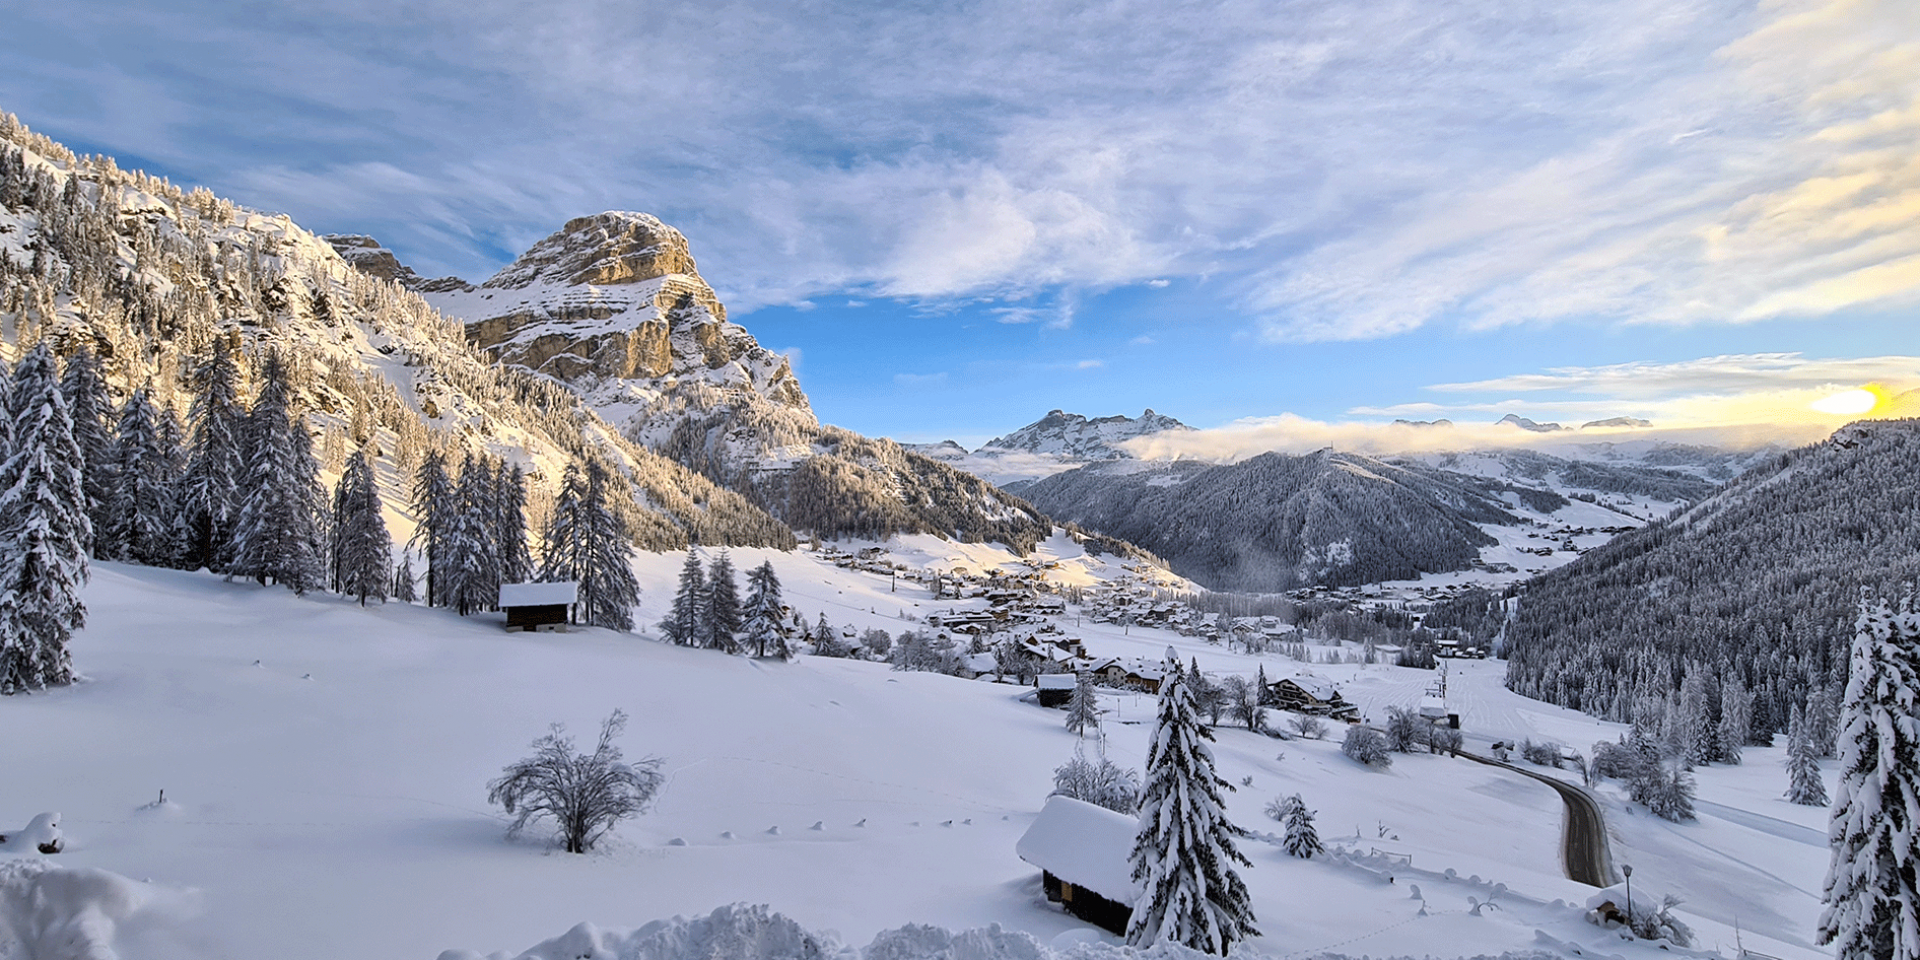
x,y
1754,589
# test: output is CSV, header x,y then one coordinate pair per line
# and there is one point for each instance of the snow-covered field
x,y
325,769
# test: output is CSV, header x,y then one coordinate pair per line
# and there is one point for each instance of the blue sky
x,y
960,215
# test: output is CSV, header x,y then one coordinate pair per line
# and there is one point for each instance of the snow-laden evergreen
x,y
1872,893
44,531
685,623
471,578
1736,707
588,543
1804,785
1184,854
1302,839
723,616
362,549
510,530
277,532
86,395
436,504
209,498
1083,710
764,631
140,496
404,589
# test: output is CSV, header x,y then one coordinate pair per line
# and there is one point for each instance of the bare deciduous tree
x,y
585,794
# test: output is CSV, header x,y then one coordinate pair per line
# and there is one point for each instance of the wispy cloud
x,y
1348,171
920,380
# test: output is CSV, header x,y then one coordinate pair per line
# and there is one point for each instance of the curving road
x,y
1583,835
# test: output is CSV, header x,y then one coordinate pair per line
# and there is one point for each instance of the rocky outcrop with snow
x,y
1071,436
613,305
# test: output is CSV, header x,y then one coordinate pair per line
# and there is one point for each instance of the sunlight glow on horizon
x,y
1849,402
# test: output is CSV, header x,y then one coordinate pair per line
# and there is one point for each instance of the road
x,y
1583,837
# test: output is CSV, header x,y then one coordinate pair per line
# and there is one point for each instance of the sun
x,y
1849,402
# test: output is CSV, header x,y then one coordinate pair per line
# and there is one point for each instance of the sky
x,y
1285,221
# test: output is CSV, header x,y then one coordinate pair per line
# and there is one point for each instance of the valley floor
x,y
325,769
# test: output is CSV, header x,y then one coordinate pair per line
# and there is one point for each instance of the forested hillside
x,y
1275,521
1757,586
147,277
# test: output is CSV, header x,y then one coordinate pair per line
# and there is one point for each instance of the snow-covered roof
x,y
538,594
1057,681
1083,844
1320,688
981,662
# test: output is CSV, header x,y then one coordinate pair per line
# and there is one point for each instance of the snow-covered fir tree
x,y
362,549
437,505
1184,853
1804,784
1696,729
723,615
208,504
510,531
403,579
1302,839
1736,709
1083,710
1872,891
44,530
277,532
139,513
608,590
86,395
685,623
471,578
764,631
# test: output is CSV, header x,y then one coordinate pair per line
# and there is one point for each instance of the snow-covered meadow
x,y
325,769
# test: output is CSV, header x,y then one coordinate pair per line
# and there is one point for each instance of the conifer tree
x,y
722,619
403,579
139,521
1872,894
1184,852
1302,840
277,533
684,624
471,579
86,395
436,505
1696,729
1804,785
763,612
608,590
209,501
510,535
562,553
362,549
44,530
1736,716
1083,710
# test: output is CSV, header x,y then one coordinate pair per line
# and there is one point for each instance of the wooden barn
x,y
538,606
1081,850
1056,689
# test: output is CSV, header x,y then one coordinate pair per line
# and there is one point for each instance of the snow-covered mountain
x,y
613,308
148,275
1058,441
1759,581
1277,522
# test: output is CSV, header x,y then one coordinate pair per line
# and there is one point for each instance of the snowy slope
x,y
324,768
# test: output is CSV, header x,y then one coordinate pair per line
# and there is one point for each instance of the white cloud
x,y
919,380
1089,364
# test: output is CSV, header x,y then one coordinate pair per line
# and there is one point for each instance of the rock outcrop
x,y
614,306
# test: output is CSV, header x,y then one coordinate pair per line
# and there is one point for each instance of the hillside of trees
x,y
1757,587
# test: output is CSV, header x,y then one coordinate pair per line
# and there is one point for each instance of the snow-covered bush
x,y
915,650
1101,783
829,643
877,642
1312,728
1666,789
1661,924
1243,701
1366,745
585,794
1405,730
1445,740
1544,753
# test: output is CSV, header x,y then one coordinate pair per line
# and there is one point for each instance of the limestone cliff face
x,y
614,306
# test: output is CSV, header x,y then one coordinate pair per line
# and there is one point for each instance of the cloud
x,y
1344,171
1141,340
1089,364
920,380
1734,401
1158,283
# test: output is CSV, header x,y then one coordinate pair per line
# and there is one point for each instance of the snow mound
x,y
41,835
66,913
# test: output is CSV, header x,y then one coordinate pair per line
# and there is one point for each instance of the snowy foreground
x,y
325,770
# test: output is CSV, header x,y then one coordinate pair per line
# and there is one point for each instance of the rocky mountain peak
x,y
1075,436
606,249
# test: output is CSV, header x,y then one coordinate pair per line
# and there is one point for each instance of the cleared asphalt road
x,y
1584,853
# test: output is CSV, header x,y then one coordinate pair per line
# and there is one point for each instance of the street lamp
x,y
1627,868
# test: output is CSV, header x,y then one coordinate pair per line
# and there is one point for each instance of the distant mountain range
x,y
1058,441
